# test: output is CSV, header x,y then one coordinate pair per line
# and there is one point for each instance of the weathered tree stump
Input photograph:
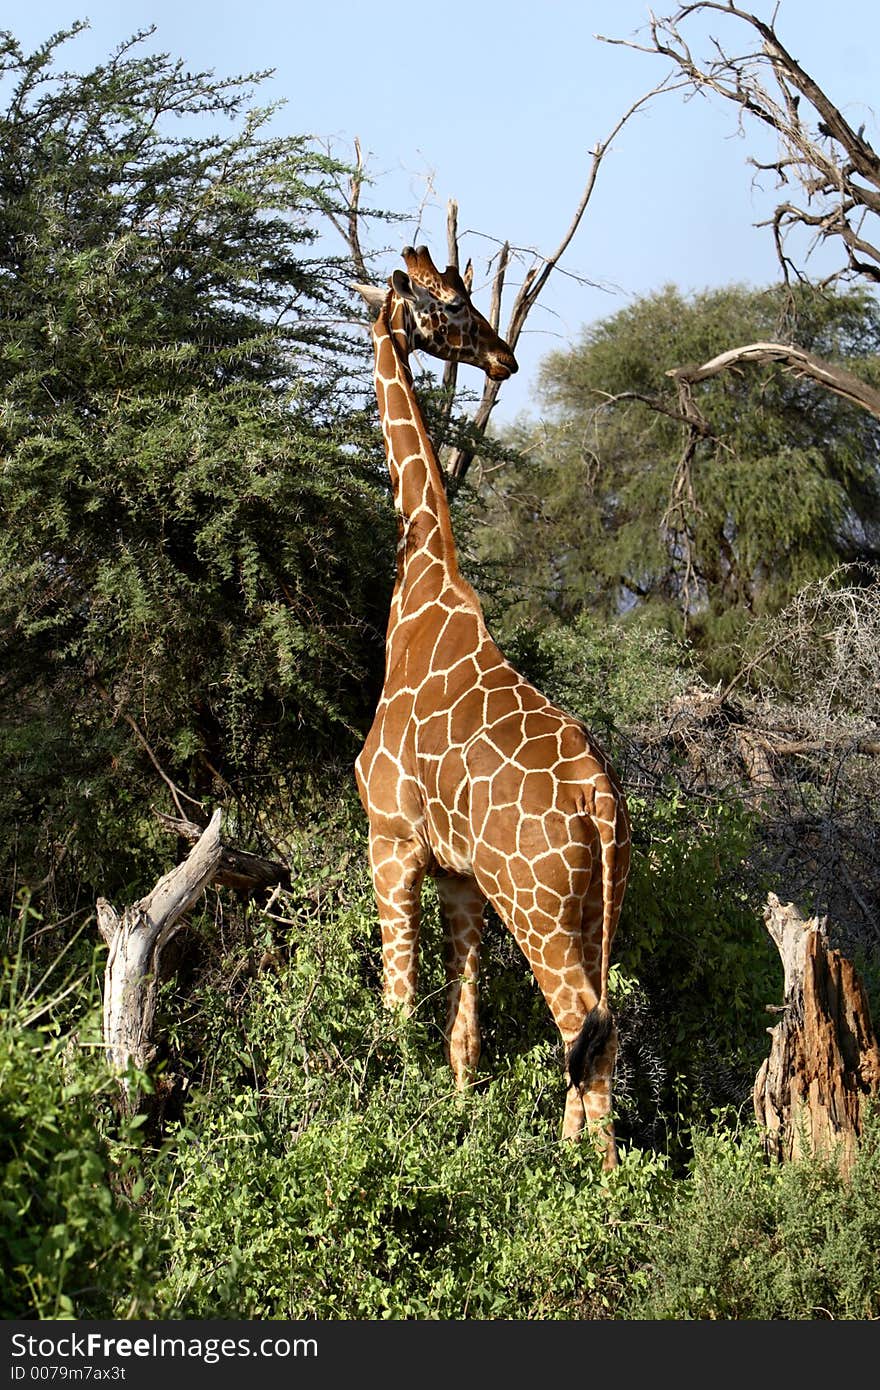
x,y
824,1065
136,941
138,938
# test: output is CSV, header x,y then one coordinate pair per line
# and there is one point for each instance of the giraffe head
x,y
439,316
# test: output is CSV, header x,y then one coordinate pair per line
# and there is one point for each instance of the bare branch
x,y
818,147
793,359
533,283
354,204
450,371
236,868
176,792
498,286
348,224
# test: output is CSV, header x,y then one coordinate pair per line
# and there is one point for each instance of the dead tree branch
x,y
176,792
236,868
450,370
533,283
835,166
793,359
348,223
136,941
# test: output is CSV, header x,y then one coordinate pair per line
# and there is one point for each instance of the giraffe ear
x,y
401,283
373,294
468,276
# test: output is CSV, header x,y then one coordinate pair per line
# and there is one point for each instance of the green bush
x,y
742,1239
71,1242
325,1167
612,675
331,1170
695,965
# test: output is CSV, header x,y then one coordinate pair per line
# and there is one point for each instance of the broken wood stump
x,y
811,1093
137,939
135,943
239,869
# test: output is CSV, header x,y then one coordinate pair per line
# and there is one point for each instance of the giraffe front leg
x,y
462,906
398,868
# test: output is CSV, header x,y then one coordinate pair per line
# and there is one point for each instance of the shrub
x,y
742,1239
71,1244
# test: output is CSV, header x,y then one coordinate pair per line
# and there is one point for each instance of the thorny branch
x,y
677,521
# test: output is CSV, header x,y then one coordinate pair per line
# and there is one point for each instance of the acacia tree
x,y
783,487
831,176
191,589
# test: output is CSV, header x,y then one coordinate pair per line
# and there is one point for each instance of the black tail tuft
x,y
588,1044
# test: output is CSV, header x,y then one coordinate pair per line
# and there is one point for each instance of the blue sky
x,y
499,106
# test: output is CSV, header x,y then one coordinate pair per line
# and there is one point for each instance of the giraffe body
x,y
469,773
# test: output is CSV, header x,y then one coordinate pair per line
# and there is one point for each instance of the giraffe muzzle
x,y
501,366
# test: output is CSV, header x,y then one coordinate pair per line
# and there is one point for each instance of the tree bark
x,y
793,359
810,1094
237,868
136,941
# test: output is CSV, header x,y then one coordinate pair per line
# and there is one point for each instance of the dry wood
x,y
136,941
533,282
754,750
793,359
836,167
811,1092
237,868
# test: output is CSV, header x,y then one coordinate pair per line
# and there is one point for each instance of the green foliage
x,y
193,536
327,1156
610,675
194,565
743,1240
787,487
700,962
71,1243
325,1167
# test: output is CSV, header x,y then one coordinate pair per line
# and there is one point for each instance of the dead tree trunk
x,y
824,1065
136,941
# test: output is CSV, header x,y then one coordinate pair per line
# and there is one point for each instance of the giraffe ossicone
x,y
469,774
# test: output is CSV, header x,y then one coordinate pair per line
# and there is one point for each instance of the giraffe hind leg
x,y
398,869
566,966
462,904
590,1069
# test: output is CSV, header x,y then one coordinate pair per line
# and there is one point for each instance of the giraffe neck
x,y
416,480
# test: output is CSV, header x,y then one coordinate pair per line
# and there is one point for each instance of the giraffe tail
x,y
587,1046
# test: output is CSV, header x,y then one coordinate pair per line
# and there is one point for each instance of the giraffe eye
x,y
455,304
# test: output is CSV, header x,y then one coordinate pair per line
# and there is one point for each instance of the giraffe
x,y
469,774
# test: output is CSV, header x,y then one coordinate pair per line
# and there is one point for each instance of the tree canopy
x,y
193,557
600,514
